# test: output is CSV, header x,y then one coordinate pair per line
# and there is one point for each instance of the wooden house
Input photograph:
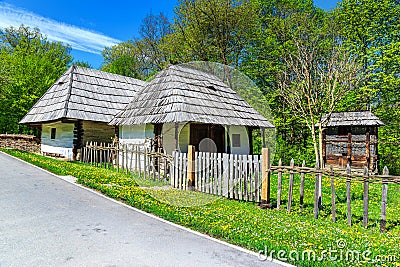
x,y
184,106
351,137
78,107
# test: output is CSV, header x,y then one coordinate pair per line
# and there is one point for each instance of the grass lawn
x,y
297,234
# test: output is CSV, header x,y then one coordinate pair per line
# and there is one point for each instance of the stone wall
x,y
20,141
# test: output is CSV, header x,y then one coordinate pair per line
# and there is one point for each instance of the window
x,y
53,133
344,130
235,140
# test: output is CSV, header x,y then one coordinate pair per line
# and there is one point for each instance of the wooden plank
x,y
180,168
291,180
302,175
333,194
257,166
245,177
384,200
202,172
238,177
131,163
220,174
348,194
250,159
265,174
225,190
145,163
365,197
215,178
207,170
279,194
172,170
231,176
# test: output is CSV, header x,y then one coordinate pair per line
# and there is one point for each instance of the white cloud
x,y
78,38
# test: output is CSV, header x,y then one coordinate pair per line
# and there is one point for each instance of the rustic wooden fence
x,y
240,177
350,177
136,158
247,177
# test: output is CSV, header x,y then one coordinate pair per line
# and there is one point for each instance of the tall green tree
x,y
371,29
34,64
214,30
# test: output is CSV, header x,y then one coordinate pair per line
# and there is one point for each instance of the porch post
x,y
228,140
176,137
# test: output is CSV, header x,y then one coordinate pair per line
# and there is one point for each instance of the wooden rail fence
x,y
240,177
136,158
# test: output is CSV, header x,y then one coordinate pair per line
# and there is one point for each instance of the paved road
x,y
46,221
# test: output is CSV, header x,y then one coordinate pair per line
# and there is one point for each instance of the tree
x,y
142,57
371,29
318,70
82,64
262,61
33,63
214,30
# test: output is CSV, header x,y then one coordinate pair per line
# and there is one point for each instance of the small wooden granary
x,y
351,137
78,107
185,106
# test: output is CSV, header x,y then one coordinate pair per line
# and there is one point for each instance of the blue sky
x,y
89,25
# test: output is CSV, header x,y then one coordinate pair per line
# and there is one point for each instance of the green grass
x,y
244,224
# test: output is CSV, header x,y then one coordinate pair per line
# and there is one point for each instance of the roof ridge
x,y
69,91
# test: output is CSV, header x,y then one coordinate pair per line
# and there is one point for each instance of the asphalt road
x,y
46,221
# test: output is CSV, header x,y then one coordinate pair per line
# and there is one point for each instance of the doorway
x,y
200,132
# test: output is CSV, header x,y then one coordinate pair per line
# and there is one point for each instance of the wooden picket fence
x,y
136,158
232,176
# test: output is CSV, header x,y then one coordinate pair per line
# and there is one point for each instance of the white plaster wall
x,y
168,133
244,148
135,134
63,142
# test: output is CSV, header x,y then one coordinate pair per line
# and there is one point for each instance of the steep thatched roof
x,y
86,94
361,118
184,94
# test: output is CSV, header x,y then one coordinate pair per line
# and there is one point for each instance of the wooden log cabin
x,y
77,108
351,137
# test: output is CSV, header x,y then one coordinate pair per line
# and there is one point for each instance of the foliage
x,y
82,64
216,30
33,64
371,29
142,57
244,224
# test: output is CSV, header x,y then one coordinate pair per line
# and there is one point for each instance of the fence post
x,y
302,186
191,167
332,174
365,197
348,193
278,201
316,192
266,179
384,199
291,179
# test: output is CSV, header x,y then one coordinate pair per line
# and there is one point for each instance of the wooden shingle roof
x,y
184,94
359,118
85,94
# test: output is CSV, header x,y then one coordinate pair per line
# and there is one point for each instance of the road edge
x,y
70,180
